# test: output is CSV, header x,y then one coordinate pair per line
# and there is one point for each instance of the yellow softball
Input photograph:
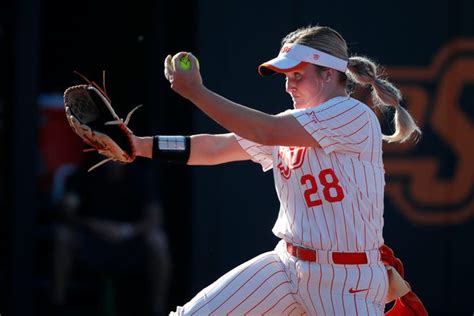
x,y
185,63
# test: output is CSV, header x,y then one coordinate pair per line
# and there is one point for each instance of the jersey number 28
x,y
332,191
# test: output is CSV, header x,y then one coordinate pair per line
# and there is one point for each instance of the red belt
x,y
337,257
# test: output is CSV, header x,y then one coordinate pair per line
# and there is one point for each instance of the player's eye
x,y
293,76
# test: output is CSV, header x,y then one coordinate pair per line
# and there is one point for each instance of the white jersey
x,y
331,200
331,197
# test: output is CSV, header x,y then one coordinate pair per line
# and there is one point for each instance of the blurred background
x,y
205,221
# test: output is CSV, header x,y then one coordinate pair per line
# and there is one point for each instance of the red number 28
x,y
329,181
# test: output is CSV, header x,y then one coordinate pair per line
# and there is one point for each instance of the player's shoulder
x,y
340,105
342,102
333,108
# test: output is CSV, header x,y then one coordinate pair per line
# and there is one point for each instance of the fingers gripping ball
x,y
185,63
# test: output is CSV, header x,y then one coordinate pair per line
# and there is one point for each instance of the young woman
x,y
326,156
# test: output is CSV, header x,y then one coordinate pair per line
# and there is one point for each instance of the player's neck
x,y
336,91
326,96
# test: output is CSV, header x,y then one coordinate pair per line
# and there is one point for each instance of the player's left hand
x,y
188,82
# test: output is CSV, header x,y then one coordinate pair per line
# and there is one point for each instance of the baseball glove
x,y
90,114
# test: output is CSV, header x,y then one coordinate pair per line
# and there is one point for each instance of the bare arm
x,y
259,127
215,149
251,124
206,149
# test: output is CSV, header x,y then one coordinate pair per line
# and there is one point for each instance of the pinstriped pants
x,y
276,283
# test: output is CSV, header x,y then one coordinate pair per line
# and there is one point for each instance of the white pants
x,y
276,283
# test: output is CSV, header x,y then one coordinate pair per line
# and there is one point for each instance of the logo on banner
x,y
432,182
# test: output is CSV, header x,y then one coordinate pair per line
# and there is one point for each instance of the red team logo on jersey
x,y
290,158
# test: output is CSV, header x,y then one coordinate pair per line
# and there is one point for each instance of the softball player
x,y
326,157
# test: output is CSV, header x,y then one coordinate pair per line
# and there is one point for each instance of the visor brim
x,y
280,64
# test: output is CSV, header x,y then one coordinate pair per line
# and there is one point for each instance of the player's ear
x,y
328,74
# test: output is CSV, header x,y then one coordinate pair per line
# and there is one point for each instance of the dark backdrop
x,y
219,217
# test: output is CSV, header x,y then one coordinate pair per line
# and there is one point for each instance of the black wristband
x,y
171,148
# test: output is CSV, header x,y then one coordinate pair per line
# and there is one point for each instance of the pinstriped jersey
x,y
331,198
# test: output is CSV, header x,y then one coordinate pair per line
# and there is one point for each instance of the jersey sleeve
x,y
260,153
340,125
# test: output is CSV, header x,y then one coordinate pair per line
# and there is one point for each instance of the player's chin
x,y
297,104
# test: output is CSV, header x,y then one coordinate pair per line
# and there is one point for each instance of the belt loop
x,y
330,258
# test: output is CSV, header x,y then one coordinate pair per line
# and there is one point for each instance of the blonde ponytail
x,y
364,71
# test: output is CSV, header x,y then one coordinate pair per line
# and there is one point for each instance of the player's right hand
x,y
187,83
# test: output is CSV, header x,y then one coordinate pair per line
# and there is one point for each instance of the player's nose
x,y
290,86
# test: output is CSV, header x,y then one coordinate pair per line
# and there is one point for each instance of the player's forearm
x,y
205,149
249,123
209,149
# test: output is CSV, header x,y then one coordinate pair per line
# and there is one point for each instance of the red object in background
x,y
58,144
409,304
